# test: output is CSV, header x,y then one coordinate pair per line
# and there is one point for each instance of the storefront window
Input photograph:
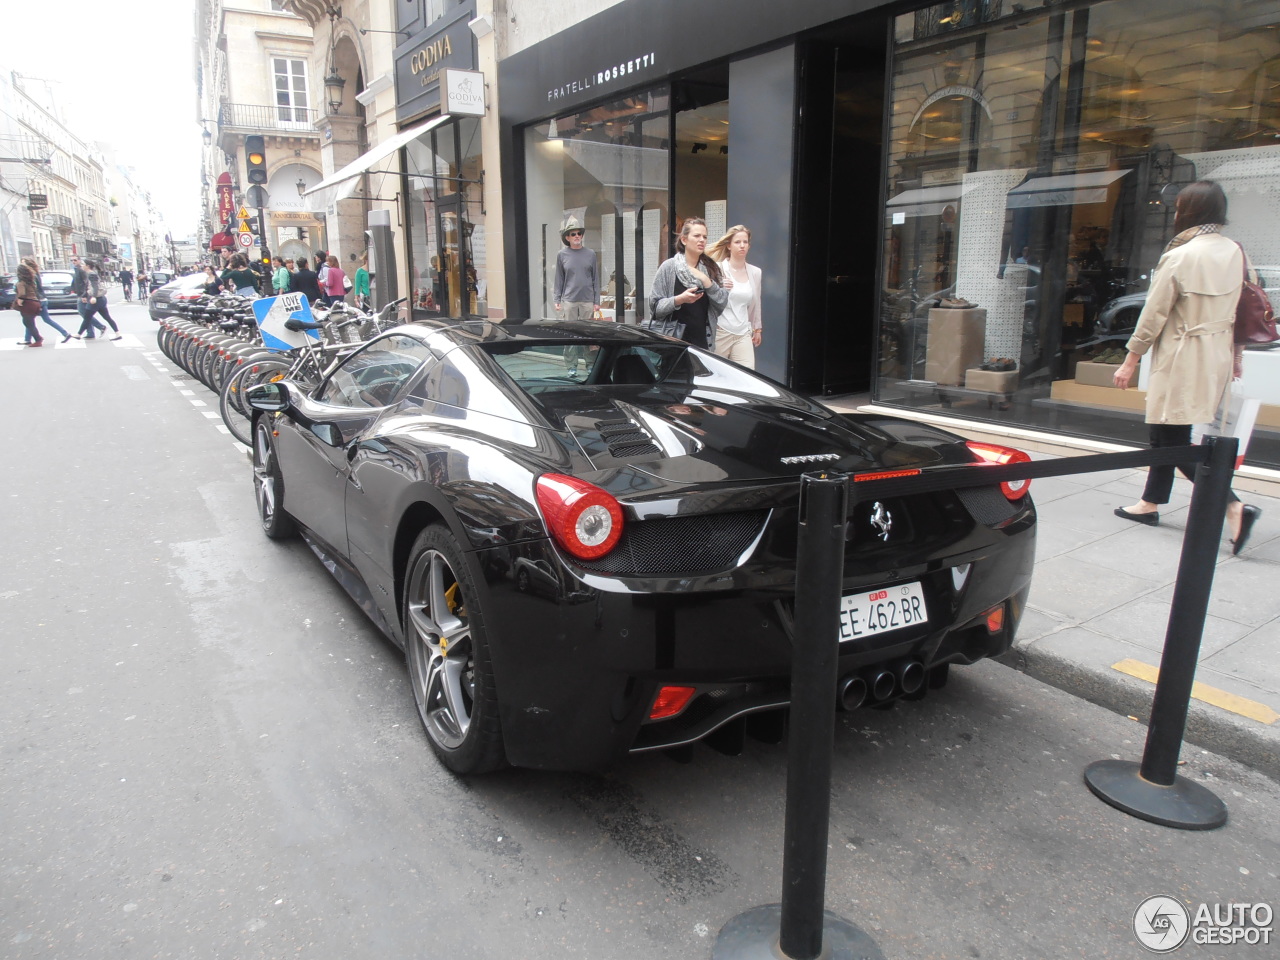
x,y
446,221
607,166
1034,158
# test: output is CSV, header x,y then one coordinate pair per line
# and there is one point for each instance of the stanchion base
x,y
1185,804
753,935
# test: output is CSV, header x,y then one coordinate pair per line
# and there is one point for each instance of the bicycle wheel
x,y
236,414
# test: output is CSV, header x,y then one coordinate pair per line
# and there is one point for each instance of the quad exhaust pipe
x,y
880,684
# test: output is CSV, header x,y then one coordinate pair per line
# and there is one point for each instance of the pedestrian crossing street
x,y
128,341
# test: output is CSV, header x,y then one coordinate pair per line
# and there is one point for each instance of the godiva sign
x,y
448,42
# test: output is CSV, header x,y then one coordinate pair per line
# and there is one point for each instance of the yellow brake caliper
x,y
457,609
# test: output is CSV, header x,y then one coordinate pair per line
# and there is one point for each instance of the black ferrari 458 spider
x,y
583,535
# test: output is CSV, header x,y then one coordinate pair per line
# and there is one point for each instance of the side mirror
x,y
272,397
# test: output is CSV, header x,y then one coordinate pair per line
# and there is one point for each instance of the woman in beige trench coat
x,y
1186,325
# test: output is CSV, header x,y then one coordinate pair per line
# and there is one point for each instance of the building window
x,y
608,167
447,239
291,90
1033,165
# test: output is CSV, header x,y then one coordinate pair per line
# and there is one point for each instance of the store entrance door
x,y
456,272
839,213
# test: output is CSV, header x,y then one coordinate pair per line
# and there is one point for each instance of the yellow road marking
x,y
1204,693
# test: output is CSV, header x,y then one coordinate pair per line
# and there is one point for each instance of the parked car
x,y
584,535
162,301
157,279
8,290
57,288
1118,318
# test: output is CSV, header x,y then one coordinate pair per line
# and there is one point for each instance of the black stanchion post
x,y
799,927
1153,790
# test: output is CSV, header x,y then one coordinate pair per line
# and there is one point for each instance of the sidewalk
x,y
1099,608
1099,605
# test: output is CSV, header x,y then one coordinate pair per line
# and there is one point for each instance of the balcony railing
x,y
252,116
58,220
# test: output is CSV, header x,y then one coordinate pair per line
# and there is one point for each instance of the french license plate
x,y
882,611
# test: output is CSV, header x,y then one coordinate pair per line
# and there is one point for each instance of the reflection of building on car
x,y
582,566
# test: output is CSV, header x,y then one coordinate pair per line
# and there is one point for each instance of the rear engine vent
x,y
681,546
625,439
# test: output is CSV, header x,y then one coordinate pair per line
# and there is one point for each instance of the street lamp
x,y
206,136
302,186
333,83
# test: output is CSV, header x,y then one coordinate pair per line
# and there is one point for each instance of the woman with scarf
x,y
32,275
93,300
1186,325
687,295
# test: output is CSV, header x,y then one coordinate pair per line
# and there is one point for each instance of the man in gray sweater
x,y
577,286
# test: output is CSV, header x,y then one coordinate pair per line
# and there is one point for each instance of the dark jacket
x,y
78,277
308,283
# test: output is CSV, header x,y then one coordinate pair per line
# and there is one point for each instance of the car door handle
x,y
351,451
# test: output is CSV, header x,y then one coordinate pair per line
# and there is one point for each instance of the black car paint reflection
x,y
448,428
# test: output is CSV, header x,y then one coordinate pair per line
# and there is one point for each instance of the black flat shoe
x,y
1150,519
1248,517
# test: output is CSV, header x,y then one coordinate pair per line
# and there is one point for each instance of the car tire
x,y
268,484
447,654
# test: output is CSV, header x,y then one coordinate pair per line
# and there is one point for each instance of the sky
x,y
124,75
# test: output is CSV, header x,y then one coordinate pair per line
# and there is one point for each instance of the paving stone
x,y
1144,623
1073,589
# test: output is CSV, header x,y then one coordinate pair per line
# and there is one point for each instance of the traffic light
x,y
255,158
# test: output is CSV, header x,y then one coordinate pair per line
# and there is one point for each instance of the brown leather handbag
x,y
1255,319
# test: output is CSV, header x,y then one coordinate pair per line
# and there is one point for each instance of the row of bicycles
x,y
217,341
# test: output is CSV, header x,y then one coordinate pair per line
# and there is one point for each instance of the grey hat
x,y
570,223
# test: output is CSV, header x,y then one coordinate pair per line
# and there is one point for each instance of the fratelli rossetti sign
x,y
420,62
606,75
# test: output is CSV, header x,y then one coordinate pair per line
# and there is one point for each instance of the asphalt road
x,y
209,752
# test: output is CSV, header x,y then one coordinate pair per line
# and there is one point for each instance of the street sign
x,y
271,314
37,201
244,226
245,239
244,213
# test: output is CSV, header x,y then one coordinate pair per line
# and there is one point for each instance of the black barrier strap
x,y
964,475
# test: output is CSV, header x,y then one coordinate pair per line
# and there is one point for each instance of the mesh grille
x,y
987,505
681,546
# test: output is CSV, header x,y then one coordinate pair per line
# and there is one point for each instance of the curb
x,y
1242,740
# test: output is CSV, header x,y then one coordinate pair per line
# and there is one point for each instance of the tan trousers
x,y
736,347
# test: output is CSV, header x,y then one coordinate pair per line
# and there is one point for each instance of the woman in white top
x,y
738,328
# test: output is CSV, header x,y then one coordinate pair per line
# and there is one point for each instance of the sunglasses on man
x,y
575,233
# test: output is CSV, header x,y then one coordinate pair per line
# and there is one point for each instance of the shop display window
x,y
608,167
447,256
1035,153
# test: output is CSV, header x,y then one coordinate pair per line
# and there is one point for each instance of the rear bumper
x,y
578,661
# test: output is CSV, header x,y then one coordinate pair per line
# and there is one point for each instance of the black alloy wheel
x,y
448,657
268,485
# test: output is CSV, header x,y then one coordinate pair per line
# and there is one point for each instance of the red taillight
x,y
994,453
584,519
670,701
995,619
